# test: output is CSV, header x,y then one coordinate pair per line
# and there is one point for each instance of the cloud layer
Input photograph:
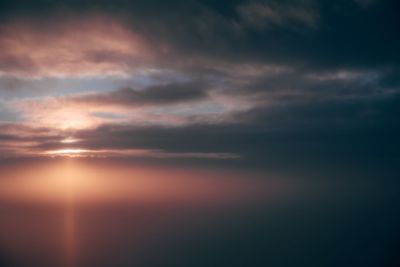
x,y
249,81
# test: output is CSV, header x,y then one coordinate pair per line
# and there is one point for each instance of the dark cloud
x,y
165,94
343,35
316,34
18,140
266,14
351,131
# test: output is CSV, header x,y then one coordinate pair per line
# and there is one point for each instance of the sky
x,y
240,81
273,121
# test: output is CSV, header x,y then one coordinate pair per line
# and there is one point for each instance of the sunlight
x,y
68,152
89,181
69,140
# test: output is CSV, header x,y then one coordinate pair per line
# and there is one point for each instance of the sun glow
x,y
69,140
68,152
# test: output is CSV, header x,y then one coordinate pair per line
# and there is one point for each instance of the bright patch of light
x,y
67,152
69,140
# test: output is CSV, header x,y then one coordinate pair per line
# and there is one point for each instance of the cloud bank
x,y
256,82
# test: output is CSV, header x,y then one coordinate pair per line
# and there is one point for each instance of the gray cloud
x,y
163,94
267,14
342,34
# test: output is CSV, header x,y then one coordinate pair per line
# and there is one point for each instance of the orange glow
x,y
100,182
75,185
69,140
67,152
62,113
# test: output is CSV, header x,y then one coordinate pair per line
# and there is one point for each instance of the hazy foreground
x,y
81,213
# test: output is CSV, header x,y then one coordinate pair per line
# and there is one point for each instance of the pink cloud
x,y
95,45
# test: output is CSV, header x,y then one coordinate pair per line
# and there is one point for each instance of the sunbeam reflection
x,y
75,207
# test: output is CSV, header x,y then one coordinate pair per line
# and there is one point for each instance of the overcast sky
x,y
254,82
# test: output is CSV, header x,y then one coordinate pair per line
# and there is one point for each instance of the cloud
x,y
18,140
169,104
365,3
77,46
268,81
361,127
162,94
124,34
269,14
137,153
